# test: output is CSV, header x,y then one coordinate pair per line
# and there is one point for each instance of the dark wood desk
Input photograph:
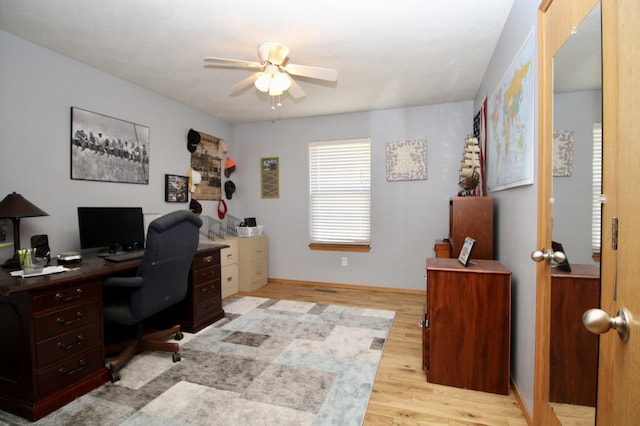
x,y
51,329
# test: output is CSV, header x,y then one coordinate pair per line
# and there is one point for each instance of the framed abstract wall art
x,y
406,160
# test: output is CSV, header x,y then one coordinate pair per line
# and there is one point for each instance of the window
x,y
596,179
340,194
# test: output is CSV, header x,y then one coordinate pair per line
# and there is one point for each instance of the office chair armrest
x,y
124,282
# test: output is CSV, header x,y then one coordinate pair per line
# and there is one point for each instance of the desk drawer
x,y
67,345
207,307
258,249
229,255
65,320
201,276
207,291
206,260
229,280
67,296
69,371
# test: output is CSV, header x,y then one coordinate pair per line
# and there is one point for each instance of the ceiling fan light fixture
x,y
263,82
280,82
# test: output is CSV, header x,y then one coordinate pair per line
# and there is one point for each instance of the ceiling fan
x,y
273,73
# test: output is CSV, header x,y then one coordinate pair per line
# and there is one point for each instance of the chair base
x,y
153,341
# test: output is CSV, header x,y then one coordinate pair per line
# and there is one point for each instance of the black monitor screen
x,y
116,228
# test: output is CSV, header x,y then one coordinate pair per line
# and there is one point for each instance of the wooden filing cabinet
x,y
52,347
471,216
253,263
468,320
229,271
203,304
442,248
573,357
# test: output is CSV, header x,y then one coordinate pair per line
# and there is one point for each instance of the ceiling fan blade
x,y
327,74
272,52
244,83
295,90
232,62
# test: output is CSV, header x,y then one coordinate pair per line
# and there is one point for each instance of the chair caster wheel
x,y
178,335
176,357
114,377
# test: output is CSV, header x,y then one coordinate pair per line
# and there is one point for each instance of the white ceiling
x,y
388,55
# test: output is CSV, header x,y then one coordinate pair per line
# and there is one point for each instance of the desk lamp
x,y
15,207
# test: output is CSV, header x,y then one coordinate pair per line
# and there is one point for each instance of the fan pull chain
x,y
273,102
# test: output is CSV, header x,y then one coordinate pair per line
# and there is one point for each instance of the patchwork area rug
x,y
268,362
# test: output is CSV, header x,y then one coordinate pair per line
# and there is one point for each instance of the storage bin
x,y
249,231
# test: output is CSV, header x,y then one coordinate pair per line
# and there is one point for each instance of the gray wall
x,y
37,89
517,207
406,216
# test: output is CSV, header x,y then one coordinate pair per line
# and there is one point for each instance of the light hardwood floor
x,y
401,395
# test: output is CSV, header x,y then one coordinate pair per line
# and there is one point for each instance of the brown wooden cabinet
x,y
52,345
468,319
203,304
471,217
573,349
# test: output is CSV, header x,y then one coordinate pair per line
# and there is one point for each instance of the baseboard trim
x,y
523,406
343,286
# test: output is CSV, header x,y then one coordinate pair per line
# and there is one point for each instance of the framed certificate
x,y
465,252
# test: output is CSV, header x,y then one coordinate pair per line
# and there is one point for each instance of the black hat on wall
x,y
193,139
229,189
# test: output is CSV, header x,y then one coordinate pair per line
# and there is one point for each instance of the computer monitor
x,y
113,229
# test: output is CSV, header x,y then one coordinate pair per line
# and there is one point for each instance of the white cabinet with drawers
x,y
253,263
229,264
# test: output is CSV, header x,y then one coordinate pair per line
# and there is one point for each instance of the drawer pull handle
x,y
229,279
62,321
207,259
206,289
68,299
79,340
229,256
64,372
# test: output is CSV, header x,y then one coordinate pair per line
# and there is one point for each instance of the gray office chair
x,y
160,282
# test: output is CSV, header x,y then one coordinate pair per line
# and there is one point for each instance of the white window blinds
x,y
596,179
340,192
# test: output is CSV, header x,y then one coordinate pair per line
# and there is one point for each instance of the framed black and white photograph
x,y
108,149
465,252
176,189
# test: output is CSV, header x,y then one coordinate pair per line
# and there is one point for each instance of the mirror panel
x,y
577,107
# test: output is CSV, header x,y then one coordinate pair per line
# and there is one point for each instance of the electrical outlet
x,y
345,261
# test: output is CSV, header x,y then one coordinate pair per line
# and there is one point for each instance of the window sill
x,y
341,247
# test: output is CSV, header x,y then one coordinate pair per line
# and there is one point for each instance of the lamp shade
x,y
262,82
15,206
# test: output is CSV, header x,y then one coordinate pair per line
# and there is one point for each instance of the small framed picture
x,y
176,189
465,252
270,177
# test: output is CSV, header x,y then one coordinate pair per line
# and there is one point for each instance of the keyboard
x,y
123,257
